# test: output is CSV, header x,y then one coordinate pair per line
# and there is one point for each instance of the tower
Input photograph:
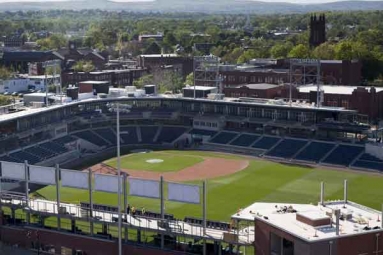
x,y
317,30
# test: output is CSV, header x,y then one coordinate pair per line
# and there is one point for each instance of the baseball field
x,y
233,182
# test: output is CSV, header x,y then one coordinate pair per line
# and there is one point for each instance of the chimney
x,y
322,193
345,194
337,215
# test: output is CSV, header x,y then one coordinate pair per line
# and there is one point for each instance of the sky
x,y
290,1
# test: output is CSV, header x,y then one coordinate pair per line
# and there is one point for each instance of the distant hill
x,y
209,6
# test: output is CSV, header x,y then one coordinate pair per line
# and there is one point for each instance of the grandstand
x,y
75,132
156,121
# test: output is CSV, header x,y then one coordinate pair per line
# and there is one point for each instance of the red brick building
x,y
124,77
261,90
332,72
329,228
366,100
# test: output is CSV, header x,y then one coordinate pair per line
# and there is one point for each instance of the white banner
x,y
144,188
74,179
184,193
107,183
11,170
42,175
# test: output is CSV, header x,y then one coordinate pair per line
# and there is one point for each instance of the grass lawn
x,y
171,162
260,181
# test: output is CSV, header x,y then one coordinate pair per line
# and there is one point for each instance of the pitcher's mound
x,y
154,161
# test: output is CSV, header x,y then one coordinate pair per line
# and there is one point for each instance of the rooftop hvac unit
x,y
36,105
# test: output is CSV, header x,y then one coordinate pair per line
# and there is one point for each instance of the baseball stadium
x,y
198,176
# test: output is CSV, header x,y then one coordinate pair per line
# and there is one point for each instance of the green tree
x,y
143,80
300,51
5,74
324,51
84,66
189,79
281,50
4,100
153,48
54,42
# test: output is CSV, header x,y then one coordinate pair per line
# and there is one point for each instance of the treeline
x,y
351,35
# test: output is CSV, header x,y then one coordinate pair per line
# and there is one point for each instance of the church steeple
x,y
317,30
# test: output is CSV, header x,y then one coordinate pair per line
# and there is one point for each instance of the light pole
x,y
119,181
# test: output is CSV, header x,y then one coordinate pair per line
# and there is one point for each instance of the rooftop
x,y
159,55
199,88
335,89
94,82
259,86
355,219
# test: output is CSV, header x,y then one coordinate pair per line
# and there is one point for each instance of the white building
x,y
14,85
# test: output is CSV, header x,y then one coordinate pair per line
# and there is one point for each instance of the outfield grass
x,y
171,162
260,181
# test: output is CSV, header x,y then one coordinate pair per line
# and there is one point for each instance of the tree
x,y
344,51
143,80
324,51
189,79
153,48
53,42
300,51
83,66
4,100
171,81
5,74
281,50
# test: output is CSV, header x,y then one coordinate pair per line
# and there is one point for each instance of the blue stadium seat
x,y
129,135
287,148
315,151
10,159
343,155
65,140
22,156
148,133
245,140
92,138
54,147
169,134
40,152
107,134
202,132
368,157
370,162
369,165
223,137
266,142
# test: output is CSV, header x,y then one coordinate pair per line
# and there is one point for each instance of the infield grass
x,y
260,181
171,162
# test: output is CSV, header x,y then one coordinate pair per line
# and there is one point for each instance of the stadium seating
x,y
315,151
54,147
148,133
92,138
107,134
169,134
10,159
370,162
287,148
40,152
245,140
202,132
65,140
223,137
128,135
343,155
266,142
21,156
